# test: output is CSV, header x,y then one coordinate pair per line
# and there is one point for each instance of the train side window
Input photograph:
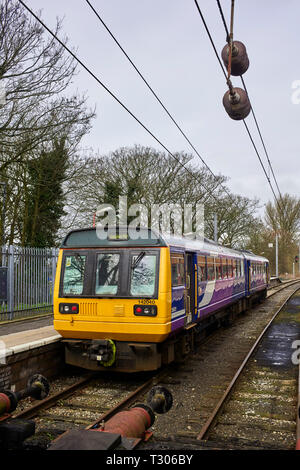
x,y
234,268
210,269
242,267
224,268
177,266
74,274
107,273
238,268
229,268
218,268
201,269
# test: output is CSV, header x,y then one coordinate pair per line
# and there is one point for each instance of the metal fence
x,y
26,281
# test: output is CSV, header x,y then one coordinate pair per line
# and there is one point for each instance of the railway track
x,y
278,288
200,396
259,407
90,400
95,398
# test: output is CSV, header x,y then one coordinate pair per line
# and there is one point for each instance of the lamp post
x,y
276,254
3,212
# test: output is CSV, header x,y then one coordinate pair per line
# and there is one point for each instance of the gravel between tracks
x,y
198,384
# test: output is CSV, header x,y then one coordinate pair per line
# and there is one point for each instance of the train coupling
x,y
103,351
123,431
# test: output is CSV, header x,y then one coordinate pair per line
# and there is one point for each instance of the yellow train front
x,y
112,300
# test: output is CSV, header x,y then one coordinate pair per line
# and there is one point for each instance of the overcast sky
x,y
168,43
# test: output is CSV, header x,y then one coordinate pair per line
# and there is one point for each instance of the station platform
x,y
28,347
28,339
22,335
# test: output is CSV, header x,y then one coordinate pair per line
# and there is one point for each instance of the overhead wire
x,y
155,94
226,76
210,192
109,91
253,113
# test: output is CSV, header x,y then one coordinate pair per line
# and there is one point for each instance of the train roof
x,y
122,237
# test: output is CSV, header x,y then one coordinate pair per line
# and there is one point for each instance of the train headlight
x,y
145,310
68,308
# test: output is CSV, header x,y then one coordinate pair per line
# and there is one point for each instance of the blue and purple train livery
x,y
208,277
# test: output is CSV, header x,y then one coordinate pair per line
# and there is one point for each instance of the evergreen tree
x,y
45,199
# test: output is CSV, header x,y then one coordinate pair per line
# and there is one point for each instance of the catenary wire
x,y
115,98
224,72
154,93
253,113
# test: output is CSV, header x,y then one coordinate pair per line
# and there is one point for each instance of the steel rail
x,y
126,402
52,399
281,287
298,414
213,417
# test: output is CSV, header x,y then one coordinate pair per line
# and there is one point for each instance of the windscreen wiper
x,y
138,259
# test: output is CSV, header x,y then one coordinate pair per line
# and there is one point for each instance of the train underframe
x,y
124,356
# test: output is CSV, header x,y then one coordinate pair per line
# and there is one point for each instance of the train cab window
x,y
143,274
73,278
201,269
177,264
107,273
210,269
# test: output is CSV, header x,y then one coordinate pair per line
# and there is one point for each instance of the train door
x,y
190,287
267,273
248,277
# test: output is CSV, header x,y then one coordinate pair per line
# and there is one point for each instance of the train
x,y
132,304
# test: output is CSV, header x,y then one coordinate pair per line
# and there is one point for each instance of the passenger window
x,y
224,269
235,268
201,269
177,264
210,269
107,273
229,268
218,268
74,274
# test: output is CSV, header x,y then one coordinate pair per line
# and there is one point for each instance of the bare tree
x,y
149,177
283,219
37,74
